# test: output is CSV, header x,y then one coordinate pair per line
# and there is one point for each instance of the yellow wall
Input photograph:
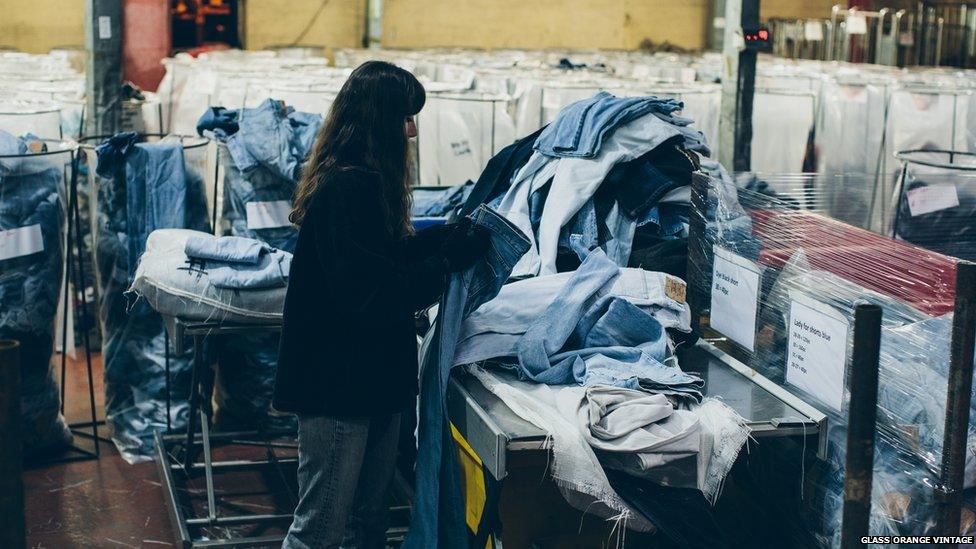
x,y
797,9
616,24
36,26
39,25
279,22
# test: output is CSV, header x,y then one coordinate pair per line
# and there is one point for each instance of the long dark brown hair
x,y
365,129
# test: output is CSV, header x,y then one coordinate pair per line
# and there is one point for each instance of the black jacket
x,y
349,345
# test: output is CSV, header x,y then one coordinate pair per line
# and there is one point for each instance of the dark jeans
x,y
345,466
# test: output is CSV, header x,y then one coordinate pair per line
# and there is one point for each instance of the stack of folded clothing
x,y
239,263
197,276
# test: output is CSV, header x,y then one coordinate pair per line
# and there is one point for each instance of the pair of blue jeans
x,y
345,466
438,512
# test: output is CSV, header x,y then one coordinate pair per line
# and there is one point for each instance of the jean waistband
x,y
499,226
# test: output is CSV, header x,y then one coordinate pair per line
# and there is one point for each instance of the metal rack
x,y
176,454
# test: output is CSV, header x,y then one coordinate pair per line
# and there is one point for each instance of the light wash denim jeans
x,y
590,338
345,466
438,510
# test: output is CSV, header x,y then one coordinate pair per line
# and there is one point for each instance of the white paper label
x,y
817,350
20,242
932,198
857,24
268,215
735,297
813,30
104,27
718,22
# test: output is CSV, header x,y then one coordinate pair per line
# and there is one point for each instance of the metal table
x,y
497,435
200,405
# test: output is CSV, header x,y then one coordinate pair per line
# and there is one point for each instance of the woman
x,y
348,358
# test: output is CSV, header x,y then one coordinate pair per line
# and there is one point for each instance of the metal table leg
x,y
189,454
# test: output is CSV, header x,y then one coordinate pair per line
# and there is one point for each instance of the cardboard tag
x,y
21,241
735,297
675,288
813,30
268,215
857,24
932,198
817,349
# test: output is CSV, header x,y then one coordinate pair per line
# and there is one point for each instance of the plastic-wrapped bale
x,y
936,202
32,218
261,152
809,262
142,187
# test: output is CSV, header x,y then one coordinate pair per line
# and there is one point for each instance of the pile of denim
x,y
613,171
607,173
598,328
141,187
262,151
31,203
598,171
197,276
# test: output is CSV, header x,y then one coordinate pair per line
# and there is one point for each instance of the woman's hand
x,y
466,244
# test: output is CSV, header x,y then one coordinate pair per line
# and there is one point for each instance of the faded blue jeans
x,y
345,466
438,511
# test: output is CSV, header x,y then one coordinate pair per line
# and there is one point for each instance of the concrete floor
x,y
109,503
94,503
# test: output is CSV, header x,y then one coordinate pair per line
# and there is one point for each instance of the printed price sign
x,y
735,297
817,349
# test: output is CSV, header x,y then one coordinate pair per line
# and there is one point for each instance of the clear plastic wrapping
x,y
32,223
780,289
134,347
935,202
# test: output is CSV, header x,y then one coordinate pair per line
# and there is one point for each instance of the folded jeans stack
x,y
239,263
